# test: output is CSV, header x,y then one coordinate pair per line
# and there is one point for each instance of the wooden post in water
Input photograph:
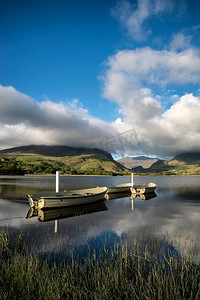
x,y
56,226
57,191
132,181
57,181
132,204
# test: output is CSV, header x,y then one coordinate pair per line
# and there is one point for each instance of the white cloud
x,y
16,107
134,80
144,67
135,17
185,113
177,130
131,81
180,41
24,121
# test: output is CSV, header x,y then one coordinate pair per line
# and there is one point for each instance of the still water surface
x,y
174,212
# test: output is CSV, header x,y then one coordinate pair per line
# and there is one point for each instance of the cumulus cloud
x,y
177,129
146,67
25,121
135,80
180,41
148,84
135,17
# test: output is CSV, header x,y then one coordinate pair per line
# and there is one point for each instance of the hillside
x,y
183,164
140,161
186,163
55,151
49,159
69,160
187,158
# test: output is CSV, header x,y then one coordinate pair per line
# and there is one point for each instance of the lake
x,y
172,214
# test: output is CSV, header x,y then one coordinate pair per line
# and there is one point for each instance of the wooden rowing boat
x,y
64,199
119,188
112,196
66,212
143,188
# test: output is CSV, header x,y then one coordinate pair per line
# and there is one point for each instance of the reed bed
x,y
117,273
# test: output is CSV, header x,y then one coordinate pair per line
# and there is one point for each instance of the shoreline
x,y
85,175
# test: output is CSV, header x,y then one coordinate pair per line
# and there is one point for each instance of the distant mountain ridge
x,y
57,151
182,164
139,161
188,157
142,157
41,159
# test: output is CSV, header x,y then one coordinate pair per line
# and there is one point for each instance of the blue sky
x,y
57,49
120,75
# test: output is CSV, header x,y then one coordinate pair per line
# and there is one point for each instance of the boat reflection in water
x,y
67,212
142,196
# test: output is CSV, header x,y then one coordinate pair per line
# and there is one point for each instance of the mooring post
x,y
132,204
132,181
57,181
57,191
56,226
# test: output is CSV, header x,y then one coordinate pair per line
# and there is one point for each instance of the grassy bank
x,y
117,274
84,164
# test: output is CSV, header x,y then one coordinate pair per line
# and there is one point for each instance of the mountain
x,y
68,160
188,158
41,159
55,151
142,158
140,161
182,164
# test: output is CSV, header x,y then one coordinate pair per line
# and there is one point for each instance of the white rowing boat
x,y
66,212
119,188
112,196
64,199
143,188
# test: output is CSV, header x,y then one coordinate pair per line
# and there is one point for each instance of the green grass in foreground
x,y
119,274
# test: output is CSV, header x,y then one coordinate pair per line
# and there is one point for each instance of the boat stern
x,y
32,203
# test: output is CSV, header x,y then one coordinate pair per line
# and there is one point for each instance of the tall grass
x,y
118,273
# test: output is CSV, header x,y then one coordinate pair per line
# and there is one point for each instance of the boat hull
x,y
112,196
65,199
120,188
143,188
67,212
